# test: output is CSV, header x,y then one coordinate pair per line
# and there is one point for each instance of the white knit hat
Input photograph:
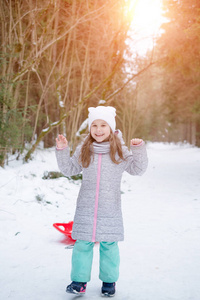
x,y
106,113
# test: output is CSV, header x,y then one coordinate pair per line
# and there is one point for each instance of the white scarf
x,y
103,147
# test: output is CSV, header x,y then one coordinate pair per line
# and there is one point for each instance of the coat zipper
x,y
96,197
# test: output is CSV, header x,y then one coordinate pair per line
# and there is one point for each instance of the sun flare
x,y
146,19
146,14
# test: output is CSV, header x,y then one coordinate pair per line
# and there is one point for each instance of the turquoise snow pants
x,y
82,261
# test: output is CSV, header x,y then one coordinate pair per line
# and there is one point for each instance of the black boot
x,y
108,289
76,287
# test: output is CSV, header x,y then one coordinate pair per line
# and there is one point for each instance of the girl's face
x,y
100,130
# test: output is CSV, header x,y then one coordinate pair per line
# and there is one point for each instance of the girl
x,y
102,158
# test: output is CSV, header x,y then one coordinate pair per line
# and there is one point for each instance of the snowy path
x,y
160,257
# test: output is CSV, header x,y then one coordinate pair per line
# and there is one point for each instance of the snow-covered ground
x,y
160,257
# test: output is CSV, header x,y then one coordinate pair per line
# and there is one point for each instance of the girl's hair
x,y
115,147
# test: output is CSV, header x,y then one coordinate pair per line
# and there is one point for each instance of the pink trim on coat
x,y
137,145
61,148
96,197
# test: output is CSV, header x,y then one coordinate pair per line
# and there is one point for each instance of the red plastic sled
x,y
65,228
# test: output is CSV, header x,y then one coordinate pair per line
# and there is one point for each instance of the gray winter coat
x,y
98,215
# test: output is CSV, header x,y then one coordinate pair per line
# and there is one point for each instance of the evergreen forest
x,y
59,57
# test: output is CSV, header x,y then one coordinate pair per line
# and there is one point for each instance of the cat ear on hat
x,y
90,109
112,110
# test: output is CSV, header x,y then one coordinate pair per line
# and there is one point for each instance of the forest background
x,y
58,57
